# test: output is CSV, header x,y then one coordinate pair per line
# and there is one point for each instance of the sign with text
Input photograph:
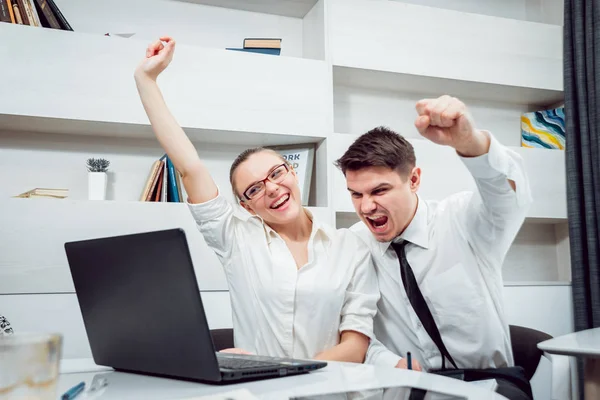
x,y
301,158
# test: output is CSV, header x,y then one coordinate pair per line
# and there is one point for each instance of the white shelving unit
x,y
404,47
239,96
346,66
386,55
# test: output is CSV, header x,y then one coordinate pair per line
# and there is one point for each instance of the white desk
x,y
584,343
333,378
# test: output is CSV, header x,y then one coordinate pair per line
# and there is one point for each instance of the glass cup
x,y
29,366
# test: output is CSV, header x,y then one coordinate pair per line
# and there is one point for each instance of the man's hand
x,y
404,365
446,121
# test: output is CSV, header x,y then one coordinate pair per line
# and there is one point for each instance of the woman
x,y
298,287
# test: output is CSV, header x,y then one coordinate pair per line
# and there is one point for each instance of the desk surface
x,y
579,343
333,378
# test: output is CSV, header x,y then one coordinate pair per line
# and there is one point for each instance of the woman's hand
x,y
158,57
235,351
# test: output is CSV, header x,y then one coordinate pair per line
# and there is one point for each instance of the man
x,y
454,247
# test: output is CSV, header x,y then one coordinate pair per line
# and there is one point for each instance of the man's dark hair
x,y
380,147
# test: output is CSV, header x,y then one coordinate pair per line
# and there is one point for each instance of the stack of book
x,y
260,45
43,13
163,183
48,193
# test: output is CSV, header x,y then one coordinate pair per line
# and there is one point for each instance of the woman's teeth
x,y
280,202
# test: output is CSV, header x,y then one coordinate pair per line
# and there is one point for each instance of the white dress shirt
x,y
456,249
278,309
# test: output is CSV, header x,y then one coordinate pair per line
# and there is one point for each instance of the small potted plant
x,y
97,178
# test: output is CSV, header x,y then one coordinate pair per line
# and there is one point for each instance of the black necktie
x,y
418,302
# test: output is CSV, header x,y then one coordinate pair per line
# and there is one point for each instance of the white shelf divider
x,y
397,46
77,83
443,174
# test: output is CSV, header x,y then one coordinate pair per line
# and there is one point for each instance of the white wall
x,y
546,11
357,110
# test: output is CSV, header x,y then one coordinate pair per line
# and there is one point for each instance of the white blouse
x,y
278,309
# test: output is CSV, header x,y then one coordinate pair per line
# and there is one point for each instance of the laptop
x,y
143,313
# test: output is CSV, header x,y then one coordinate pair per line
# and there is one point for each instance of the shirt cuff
x,y
489,165
385,358
500,162
358,324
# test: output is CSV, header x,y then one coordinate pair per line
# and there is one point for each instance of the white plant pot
x,y
97,185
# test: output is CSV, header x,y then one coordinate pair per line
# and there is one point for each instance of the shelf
x,y
435,86
286,8
33,258
26,123
88,88
397,47
443,174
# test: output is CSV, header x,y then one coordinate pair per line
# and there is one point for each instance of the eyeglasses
x,y
276,175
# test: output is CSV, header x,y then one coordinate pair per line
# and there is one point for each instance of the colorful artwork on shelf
x,y
544,129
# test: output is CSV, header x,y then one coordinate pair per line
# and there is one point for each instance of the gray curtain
x,y
582,99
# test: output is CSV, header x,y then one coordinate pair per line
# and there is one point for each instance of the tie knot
x,y
400,245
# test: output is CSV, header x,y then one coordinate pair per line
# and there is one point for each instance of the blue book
x,y
173,194
274,52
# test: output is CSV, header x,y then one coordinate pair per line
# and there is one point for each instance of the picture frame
x,y
301,157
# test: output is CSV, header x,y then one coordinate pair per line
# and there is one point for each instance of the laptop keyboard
x,y
240,363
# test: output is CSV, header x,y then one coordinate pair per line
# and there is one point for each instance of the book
x,y
274,52
157,193
59,16
32,13
544,129
178,175
173,195
4,11
163,182
262,43
150,181
11,11
17,13
47,18
23,12
44,192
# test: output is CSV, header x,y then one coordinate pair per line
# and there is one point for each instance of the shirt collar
x,y
416,232
318,227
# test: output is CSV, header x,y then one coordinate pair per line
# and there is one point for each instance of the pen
x,y
409,360
73,392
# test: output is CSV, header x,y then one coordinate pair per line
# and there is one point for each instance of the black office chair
x,y
524,345
222,338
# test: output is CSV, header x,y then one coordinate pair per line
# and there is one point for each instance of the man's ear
x,y
247,207
415,179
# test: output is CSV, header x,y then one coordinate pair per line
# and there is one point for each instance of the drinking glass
x,y
29,366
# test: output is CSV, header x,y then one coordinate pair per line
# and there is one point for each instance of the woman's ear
x,y
247,207
293,171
